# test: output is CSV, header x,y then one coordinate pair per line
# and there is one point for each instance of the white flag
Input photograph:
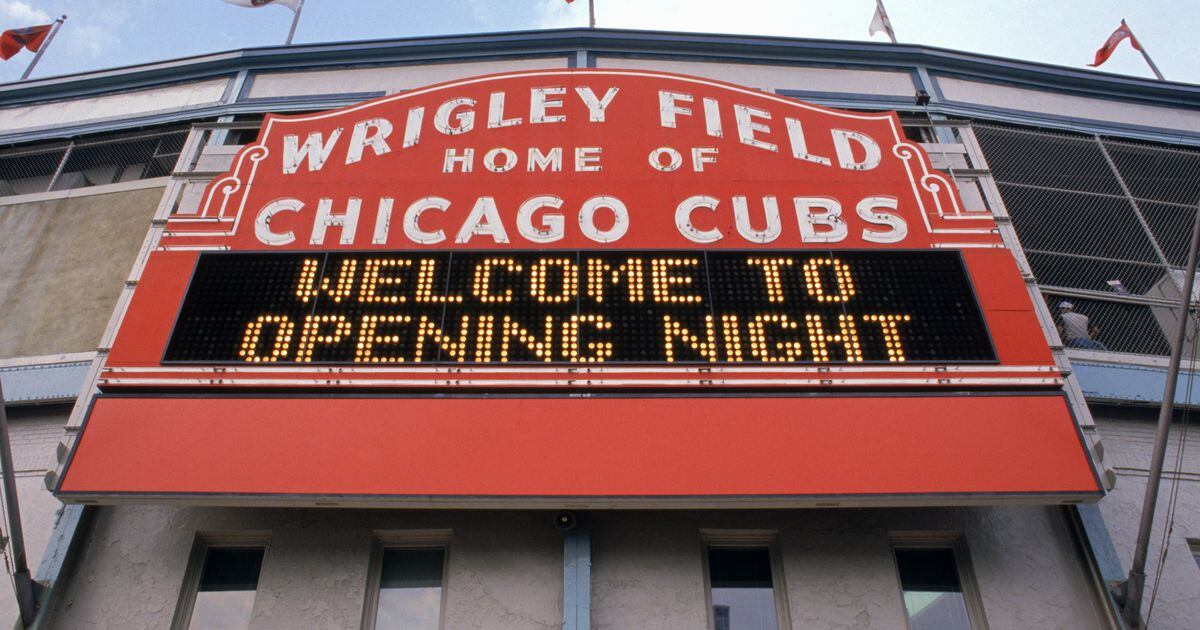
x,y
879,22
254,4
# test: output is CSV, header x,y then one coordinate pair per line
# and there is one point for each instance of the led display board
x,y
580,308
448,293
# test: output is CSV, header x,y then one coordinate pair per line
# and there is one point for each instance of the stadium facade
x,y
1090,180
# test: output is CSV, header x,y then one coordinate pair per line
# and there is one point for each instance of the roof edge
x,y
612,41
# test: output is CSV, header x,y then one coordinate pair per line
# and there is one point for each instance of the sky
x,y
109,33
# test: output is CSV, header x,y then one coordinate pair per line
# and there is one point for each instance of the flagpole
x,y
46,44
1153,67
591,13
295,22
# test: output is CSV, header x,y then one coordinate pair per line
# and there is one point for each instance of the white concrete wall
x,y
505,568
777,77
1128,435
388,79
112,107
1030,100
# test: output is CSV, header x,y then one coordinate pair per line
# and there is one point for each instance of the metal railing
x,y
1104,224
89,161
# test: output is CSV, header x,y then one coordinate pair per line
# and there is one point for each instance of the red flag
x,y
32,38
1109,46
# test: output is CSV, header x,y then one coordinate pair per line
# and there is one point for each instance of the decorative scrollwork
x,y
230,185
905,151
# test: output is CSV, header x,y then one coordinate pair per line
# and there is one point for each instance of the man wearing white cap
x,y
1076,329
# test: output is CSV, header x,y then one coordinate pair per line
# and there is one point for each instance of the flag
x,y
880,22
1109,46
31,38
254,4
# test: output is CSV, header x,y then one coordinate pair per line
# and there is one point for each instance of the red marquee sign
x,y
433,279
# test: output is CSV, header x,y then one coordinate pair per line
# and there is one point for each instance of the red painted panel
x,y
998,282
147,325
834,446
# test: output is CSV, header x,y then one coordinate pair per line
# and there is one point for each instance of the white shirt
x,y
1075,326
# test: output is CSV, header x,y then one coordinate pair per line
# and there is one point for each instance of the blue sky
x,y
107,33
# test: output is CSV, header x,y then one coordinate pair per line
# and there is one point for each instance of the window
x,y
406,580
225,595
90,161
221,580
938,588
744,582
1195,546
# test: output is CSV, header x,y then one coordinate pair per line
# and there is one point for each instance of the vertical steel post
x,y
1136,583
46,44
23,582
62,164
591,13
577,575
1153,67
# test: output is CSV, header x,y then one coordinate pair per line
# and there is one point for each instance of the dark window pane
x,y
928,570
225,597
932,592
410,589
742,593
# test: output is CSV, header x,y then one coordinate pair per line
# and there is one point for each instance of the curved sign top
x,y
581,159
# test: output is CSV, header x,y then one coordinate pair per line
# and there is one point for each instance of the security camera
x,y
564,521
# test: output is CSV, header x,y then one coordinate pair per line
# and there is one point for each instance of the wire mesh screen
x,y
29,169
1112,326
89,161
1102,222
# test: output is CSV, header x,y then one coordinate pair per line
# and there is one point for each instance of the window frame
x,y
384,540
956,543
201,544
746,539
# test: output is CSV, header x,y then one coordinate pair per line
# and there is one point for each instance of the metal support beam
x,y
1134,587
62,163
577,574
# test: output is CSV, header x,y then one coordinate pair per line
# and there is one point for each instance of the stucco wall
x,y
1128,434
505,568
62,262
34,432
838,566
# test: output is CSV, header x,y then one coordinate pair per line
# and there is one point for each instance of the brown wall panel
x,y
62,263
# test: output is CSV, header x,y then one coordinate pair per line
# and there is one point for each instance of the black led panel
x,y
581,307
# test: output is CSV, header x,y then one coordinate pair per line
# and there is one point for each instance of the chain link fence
x,y
1104,223
89,161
